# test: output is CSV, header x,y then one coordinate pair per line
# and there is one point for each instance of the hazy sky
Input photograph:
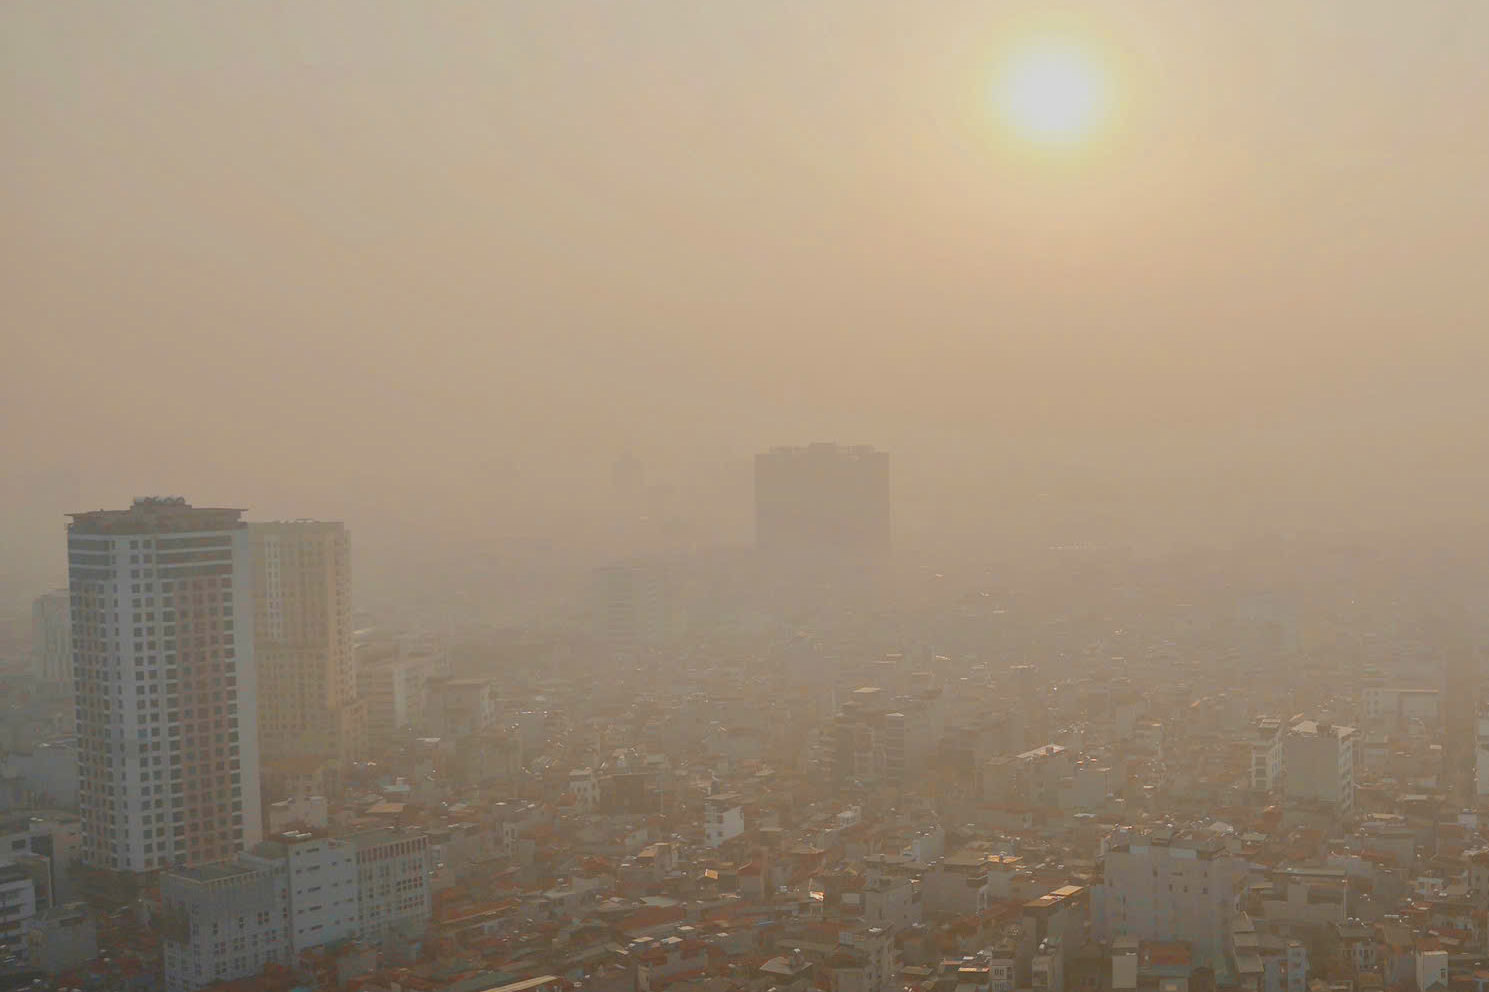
x,y
429,266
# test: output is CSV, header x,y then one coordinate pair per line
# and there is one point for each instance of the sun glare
x,y
1053,94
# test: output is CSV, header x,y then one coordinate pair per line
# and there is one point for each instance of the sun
x,y
1053,93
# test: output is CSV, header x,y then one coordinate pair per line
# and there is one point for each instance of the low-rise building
x,y
723,818
224,921
393,870
62,938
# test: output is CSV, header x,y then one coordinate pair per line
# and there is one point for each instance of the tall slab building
x,y
51,638
161,600
303,642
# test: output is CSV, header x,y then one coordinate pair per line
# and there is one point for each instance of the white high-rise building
x,y
51,638
302,640
162,613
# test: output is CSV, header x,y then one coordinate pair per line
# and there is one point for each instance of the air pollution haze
x,y
432,268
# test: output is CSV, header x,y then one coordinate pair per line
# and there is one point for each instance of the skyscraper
x,y
303,641
161,603
51,638
826,502
633,606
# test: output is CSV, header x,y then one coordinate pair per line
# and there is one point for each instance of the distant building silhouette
x,y
51,638
824,502
162,611
628,476
633,606
308,701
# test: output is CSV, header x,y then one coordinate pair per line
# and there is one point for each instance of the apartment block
x,y
308,701
161,600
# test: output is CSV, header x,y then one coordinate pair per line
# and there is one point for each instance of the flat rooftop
x,y
157,515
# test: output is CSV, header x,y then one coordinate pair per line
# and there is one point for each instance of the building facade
x,y
1266,755
161,601
393,869
633,607
1481,753
223,921
295,891
394,688
723,818
1166,886
303,642
51,638
1319,762
17,904
321,876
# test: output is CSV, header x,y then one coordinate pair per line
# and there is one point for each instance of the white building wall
x,y
1160,891
224,922
166,703
393,872
1319,761
323,882
722,822
1432,970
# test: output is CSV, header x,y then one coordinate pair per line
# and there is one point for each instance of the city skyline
x,y
488,255
744,496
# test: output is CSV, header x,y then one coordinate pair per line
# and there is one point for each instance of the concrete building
x,y
723,818
322,886
460,707
393,869
823,502
49,772
47,847
1382,706
393,683
299,813
223,921
51,638
891,900
1306,897
62,938
1481,754
295,891
1168,886
1319,760
1053,928
864,961
17,904
910,737
308,702
957,885
1432,971
1265,742
167,696
633,607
